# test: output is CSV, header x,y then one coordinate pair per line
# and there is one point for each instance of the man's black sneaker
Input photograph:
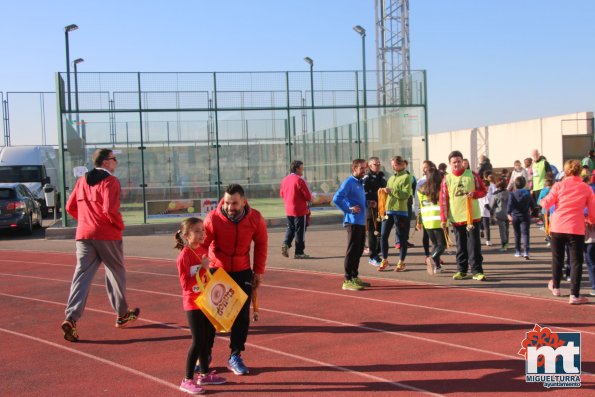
x,y
131,316
70,333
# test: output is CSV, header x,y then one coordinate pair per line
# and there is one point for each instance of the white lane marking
x,y
93,357
393,281
282,269
331,274
267,349
375,300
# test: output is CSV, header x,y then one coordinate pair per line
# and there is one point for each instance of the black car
x,y
18,208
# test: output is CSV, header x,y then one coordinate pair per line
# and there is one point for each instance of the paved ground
x,y
326,244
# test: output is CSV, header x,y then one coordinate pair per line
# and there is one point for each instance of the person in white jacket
x,y
484,206
516,172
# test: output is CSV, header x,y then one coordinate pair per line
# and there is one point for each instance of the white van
x,y
33,166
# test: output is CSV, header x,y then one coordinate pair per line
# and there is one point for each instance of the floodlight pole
x,y
310,62
76,92
67,30
79,130
362,32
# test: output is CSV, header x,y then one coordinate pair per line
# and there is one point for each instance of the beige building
x,y
558,138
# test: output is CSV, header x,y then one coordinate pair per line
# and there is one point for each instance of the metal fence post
x,y
142,149
358,138
217,146
425,105
59,107
288,122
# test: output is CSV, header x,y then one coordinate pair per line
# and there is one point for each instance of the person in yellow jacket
x,y
398,189
428,202
459,193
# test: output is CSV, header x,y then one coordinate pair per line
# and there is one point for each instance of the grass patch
x,y
270,208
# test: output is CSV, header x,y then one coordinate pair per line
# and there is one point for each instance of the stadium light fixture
x,y
310,62
68,29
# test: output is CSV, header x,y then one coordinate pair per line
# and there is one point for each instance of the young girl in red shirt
x,y
194,259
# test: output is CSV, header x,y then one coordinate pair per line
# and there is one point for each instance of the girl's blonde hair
x,y
572,167
185,226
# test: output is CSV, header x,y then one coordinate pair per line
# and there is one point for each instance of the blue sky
x,y
488,61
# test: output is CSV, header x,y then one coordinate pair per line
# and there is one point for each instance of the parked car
x,y
18,208
33,166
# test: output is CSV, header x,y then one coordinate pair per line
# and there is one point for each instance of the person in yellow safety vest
x,y
428,202
540,168
459,193
589,161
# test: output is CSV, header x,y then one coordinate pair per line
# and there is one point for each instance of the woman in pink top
x,y
571,196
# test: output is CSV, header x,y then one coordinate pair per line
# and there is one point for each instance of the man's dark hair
x,y
356,163
235,188
295,164
398,159
455,153
100,155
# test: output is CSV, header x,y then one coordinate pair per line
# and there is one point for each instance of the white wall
x,y
505,143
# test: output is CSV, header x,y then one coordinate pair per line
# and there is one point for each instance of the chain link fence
x,y
184,136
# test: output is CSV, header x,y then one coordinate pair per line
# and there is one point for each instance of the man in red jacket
x,y
295,194
230,230
95,204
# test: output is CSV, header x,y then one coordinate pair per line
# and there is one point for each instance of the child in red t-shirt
x,y
193,259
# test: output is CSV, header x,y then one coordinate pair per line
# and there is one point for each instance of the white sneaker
x,y
488,243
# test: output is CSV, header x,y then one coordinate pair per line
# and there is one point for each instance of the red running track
x,y
313,339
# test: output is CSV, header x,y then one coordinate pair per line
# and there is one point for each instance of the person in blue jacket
x,y
351,199
519,207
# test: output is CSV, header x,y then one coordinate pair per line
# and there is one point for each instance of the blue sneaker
x,y
236,365
374,262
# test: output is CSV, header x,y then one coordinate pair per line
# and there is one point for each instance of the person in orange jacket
x,y
296,195
230,230
95,204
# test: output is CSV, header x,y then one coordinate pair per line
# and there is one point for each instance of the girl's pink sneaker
x,y
578,300
210,379
190,386
555,291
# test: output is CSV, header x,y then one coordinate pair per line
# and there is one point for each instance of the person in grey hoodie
x,y
498,205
